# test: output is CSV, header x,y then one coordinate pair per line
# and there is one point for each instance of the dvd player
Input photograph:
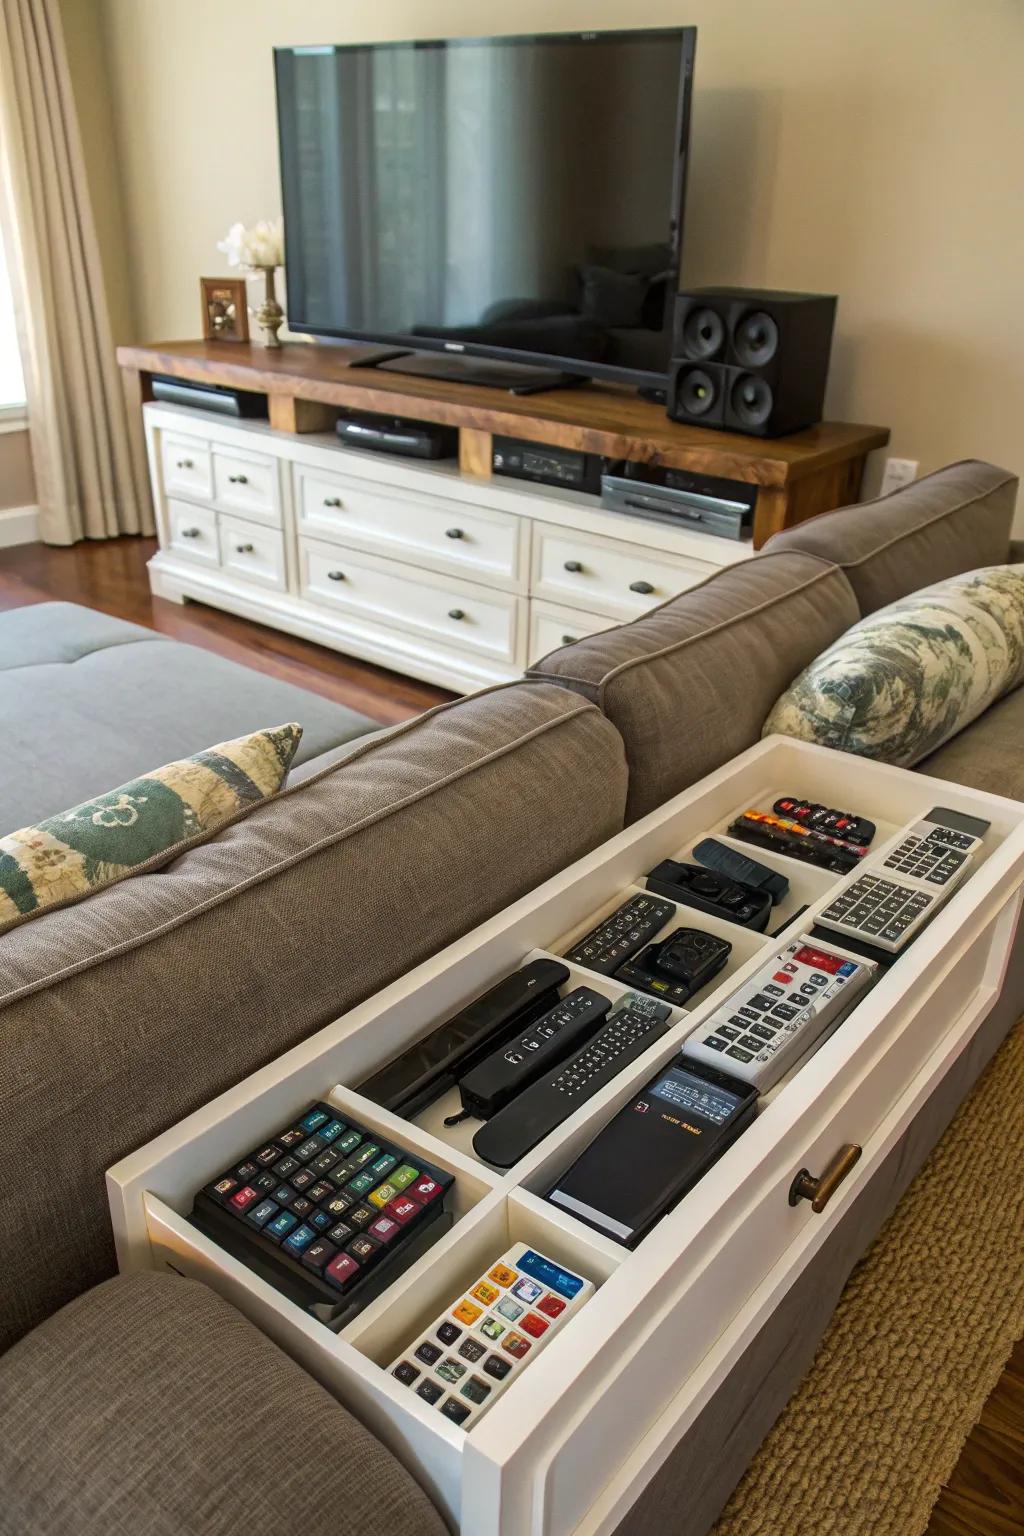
x,y
705,503
397,434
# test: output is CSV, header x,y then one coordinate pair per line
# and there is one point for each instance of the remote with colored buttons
x,y
786,1007
675,968
633,1024
620,936
780,834
324,1208
844,824
506,1072
489,1335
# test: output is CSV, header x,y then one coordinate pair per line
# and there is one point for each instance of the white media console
x,y
456,579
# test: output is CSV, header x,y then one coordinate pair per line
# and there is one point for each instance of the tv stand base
x,y
457,368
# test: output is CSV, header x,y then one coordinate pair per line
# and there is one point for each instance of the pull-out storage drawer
x,y
460,537
187,466
253,552
552,627
440,607
192,532
248,483
605,575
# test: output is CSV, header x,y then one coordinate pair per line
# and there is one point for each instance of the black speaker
x,y
750,359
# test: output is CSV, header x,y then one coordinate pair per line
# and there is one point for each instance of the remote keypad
x,y
481,1343
844,824
622,934
506,1072
759,1032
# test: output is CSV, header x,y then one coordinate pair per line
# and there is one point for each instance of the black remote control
x,y
428,1068
712,893
821,818
675,968
633,1024
736,865
622,934
491,1085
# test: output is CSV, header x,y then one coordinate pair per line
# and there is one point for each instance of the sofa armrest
x,y
150,1405
1016,555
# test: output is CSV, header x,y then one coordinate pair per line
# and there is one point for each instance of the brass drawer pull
x,y
332,501
244,549
644,587
820,1191
574,565
185,464
191,533
454,533
456,613
335,575
238,479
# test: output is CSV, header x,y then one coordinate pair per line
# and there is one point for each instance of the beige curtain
x,y
90,470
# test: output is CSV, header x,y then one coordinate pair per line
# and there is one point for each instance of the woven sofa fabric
x,y
989,755
42,633
957,519
150,1407
136,1007
688,686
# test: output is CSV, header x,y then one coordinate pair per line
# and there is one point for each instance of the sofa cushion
x,y
989,755
954,520
150,1407
128,1011
689,685
88,701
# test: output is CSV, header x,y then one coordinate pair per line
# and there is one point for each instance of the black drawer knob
x,y
456,613
244,549
185,464
644,587
574,565
335,575
332,501
191,533
238,479
454,533
569,639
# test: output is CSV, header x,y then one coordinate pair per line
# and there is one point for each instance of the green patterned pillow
x,y
907,678
140,824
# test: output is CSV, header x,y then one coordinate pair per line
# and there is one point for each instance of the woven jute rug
x,y
919,1340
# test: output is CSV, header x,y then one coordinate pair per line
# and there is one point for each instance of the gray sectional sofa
x,y
122,1014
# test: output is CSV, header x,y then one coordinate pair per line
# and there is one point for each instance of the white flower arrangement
x,y
262,246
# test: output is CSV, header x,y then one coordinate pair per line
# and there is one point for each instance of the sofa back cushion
x,y
123,1014
690,684
957,519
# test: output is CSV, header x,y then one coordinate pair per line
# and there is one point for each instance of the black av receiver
x,y
547,465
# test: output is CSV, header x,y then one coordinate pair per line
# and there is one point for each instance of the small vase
x,y
270,315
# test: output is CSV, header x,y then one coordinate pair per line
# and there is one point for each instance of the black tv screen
x,y
517,197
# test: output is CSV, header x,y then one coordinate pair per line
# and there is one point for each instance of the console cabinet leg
x,y
837,485
474,451
287,414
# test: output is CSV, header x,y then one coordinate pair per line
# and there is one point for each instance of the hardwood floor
x,y
110,575
985,1495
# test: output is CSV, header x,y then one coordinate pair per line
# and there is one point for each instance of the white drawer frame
x,y
620,1386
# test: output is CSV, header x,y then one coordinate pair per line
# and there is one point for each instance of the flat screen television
x,y
510,198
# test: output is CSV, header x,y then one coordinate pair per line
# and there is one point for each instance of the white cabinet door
x,y
186,465
551,628
192,532
587,570
248,483
253,552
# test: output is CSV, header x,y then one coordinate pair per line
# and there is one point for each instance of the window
x,y
12,380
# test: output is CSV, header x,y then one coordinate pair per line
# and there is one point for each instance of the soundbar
x,y
210,397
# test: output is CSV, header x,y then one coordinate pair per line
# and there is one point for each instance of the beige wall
x,y
870,148
17,488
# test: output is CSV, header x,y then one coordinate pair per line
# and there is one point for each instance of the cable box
x,y
210,397
705,503
395,434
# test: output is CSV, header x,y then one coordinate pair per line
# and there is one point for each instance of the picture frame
x,y
225,308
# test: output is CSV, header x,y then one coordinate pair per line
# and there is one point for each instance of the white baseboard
x,y
18,525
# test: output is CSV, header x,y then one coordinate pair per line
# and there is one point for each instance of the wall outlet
x,y
898,473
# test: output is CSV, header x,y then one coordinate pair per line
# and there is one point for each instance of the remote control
x,y
504,1073
786,1007
464,1361
796,841
633,1024
619,936
736,865
424,1072
713,893
844,824
677,967
323,1207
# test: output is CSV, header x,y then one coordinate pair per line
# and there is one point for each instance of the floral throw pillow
x,y
907,678
141,824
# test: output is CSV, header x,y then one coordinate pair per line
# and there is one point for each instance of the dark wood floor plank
x,y
111,575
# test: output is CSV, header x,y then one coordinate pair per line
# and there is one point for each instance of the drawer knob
x,y
332,501
185,464
641,586
569,639
574,565
244,549
191,533
819,1191
335,575
454,533
238,479
456,613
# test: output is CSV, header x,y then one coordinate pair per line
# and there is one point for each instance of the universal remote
x,y
467,1357
506,1072
713,893
787,1006
767,830
820,818
677,967
736,865
622,934
633,1024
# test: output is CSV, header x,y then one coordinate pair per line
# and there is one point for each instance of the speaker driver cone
x,y
751,400
697,392
703,333
755,339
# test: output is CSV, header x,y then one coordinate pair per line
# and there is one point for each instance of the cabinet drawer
x,y
192,531
253,552
471,617
609,576
551,628
460,537
248,483
187,468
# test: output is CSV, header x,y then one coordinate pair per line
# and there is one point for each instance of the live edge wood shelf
x,y
797,476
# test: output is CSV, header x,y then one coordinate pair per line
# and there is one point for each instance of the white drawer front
x,y
474,618
248,483
253,552
551,628
467,540
587,570
192,531
187,468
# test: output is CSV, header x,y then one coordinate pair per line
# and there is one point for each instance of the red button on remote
x,y
781,976
552,1305
341,1270
384,1229
425,1190
533,1324
243,1198
402,1209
